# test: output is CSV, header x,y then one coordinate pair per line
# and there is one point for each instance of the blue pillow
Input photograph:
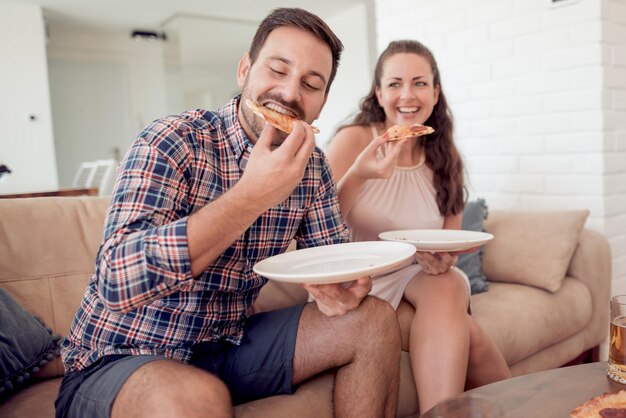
x,y
474,216
25,345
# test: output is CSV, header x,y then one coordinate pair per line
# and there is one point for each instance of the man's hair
x,y
301,19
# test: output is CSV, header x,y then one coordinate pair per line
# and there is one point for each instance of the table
x,y
551,393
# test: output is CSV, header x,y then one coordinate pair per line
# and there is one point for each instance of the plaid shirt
x,y
142,298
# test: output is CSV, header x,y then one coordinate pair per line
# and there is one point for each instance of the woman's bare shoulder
x,y
346,146
357,136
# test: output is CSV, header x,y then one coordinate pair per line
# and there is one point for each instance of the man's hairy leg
x,y
167,388
365,346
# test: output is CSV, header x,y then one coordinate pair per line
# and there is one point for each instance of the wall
x,y
26,146
203,54
537,90
354,72
614,94
105,88
209,82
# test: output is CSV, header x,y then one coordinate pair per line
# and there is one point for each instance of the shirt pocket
x,y
269,235
273,231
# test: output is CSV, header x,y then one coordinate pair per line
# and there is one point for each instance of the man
x,y
164,329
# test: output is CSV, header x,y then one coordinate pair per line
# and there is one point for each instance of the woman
x,y
410,184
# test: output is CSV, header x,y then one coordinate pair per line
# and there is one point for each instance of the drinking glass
x,y
466,406
616,368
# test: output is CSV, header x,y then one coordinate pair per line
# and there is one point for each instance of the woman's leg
x,y
486,363
440,336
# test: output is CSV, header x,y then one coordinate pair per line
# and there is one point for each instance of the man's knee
x,y
379,319
216,396
169,388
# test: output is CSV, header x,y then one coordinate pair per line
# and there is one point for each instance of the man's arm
x,y
270,177
151,250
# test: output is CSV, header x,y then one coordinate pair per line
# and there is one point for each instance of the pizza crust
x,y
603,406
277,120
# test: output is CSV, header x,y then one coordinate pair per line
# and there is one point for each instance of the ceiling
x,y
125,15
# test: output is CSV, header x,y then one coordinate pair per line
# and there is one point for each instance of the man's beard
x,y
256,123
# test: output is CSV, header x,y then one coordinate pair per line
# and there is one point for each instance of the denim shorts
x,y
261,366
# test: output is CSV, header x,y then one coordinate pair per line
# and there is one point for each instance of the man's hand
x,y
340,298
272,173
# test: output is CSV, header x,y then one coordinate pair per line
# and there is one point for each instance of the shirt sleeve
x,y
144,255
323,223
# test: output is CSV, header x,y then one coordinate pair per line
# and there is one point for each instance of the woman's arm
x,y
436,263
453,221
345,147
354,158
342,152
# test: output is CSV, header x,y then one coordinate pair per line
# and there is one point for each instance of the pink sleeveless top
x,y
406,200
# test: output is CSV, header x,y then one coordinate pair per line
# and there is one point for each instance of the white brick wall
x,y
614,92
539,97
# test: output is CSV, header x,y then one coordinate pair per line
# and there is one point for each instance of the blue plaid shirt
x,y
142,298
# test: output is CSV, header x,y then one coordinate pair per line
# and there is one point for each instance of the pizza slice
x,y
277,120
603,406
399,132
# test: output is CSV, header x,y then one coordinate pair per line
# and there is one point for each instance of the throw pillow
x,y
25,345
532,248
474,215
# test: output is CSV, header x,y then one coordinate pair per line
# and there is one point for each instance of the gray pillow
x,y
25,345
474,216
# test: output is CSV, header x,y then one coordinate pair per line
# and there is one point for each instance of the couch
x,y
549,284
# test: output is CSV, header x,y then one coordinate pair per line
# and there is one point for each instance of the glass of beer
x,y
616,368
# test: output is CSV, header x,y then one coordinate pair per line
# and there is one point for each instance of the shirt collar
x,y
234,133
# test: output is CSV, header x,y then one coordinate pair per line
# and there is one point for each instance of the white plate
x,y
336,263
438,240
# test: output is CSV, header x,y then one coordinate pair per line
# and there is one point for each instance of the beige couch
x,y
47,249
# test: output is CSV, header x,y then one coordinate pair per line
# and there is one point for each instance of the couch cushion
x,y
523,320
73,231
474,216
34,401
47,273
25,345
532,248
313,399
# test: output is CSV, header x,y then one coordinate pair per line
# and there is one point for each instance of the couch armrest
x,y
276,295
591,264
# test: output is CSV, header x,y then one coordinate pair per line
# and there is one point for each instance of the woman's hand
x,y
436,263
340,298
369,164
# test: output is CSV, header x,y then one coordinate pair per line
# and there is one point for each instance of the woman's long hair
x,y
442,155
